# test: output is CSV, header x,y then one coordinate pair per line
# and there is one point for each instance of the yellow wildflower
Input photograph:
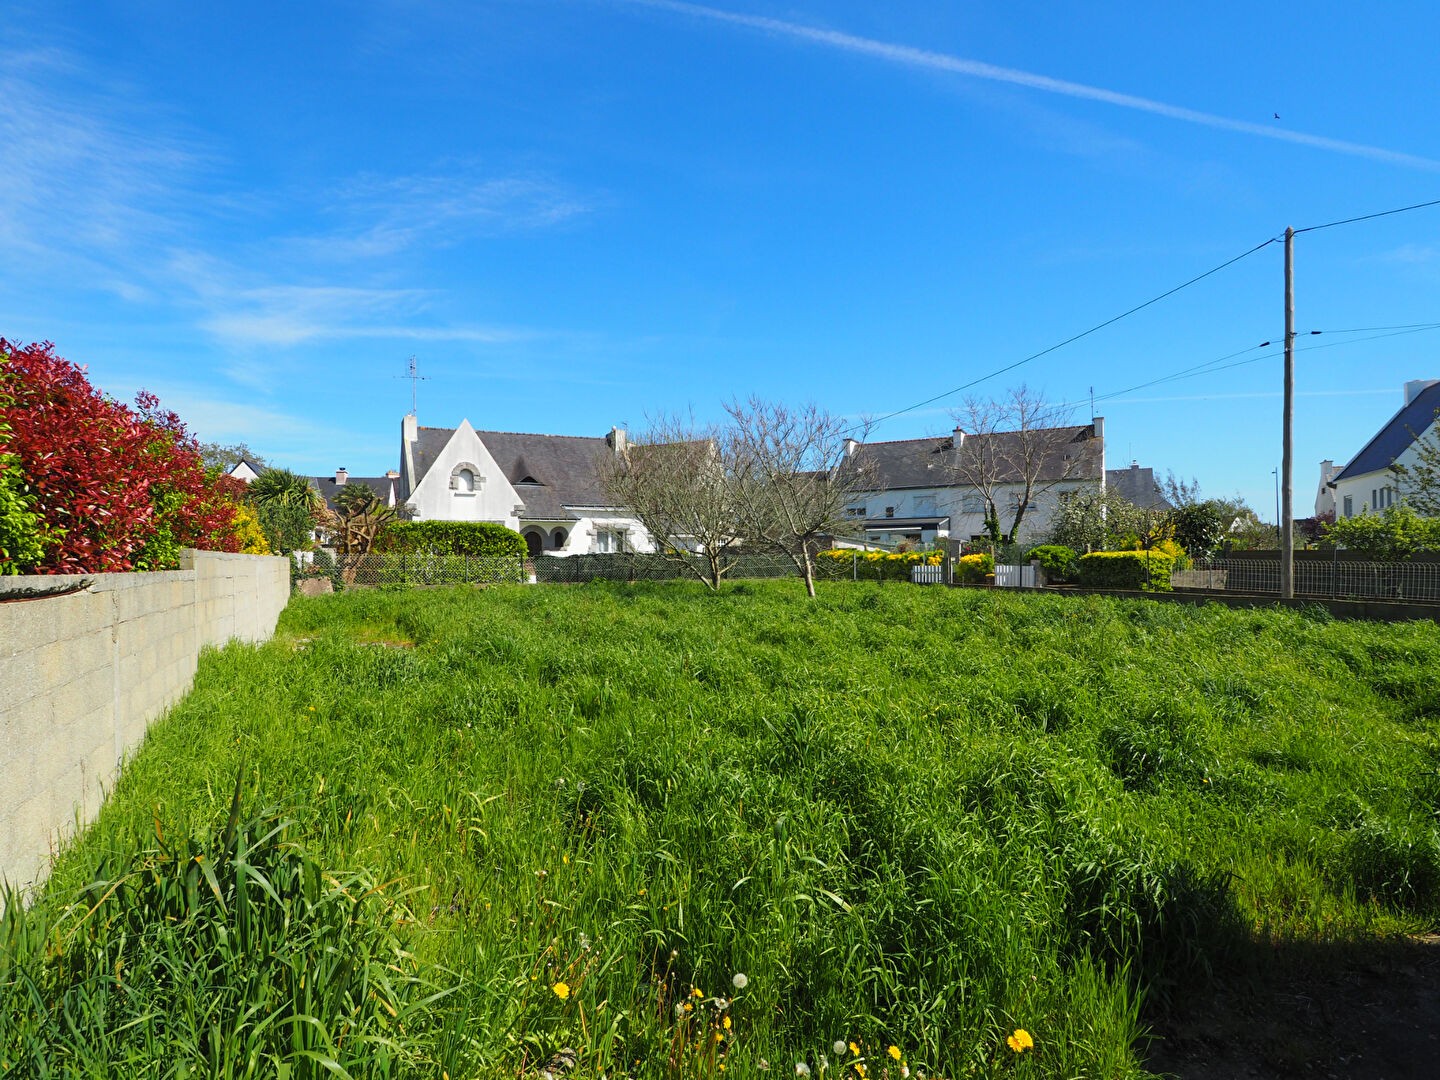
x,y
854,1049
1020,1041
562,991
725,1023
894,1052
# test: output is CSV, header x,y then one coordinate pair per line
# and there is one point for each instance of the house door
x,y
534,544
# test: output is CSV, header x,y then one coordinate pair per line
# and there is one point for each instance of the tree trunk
x,y
809,571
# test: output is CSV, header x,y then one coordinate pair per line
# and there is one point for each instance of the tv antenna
x,y
415,377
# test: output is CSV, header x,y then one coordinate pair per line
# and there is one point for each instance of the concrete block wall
x,y
83,674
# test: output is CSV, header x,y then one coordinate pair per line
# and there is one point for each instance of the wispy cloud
x,y
389,214
937,61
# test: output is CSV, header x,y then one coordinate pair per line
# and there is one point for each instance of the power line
x,y
871,425
1368,217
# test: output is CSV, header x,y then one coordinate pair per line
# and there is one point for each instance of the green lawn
x,y
476,827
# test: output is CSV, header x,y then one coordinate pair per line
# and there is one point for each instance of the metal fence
x,y
637,567
1339,579
410,570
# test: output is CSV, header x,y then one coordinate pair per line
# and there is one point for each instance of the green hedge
x,y
475,538
1057,560
1146,570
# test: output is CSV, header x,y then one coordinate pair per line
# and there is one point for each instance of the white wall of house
x,y
604,531
964,506
1369,492
465,484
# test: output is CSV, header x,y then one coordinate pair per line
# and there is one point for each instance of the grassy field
x,y
453,833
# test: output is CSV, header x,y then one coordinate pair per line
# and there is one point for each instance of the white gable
x,y
465,484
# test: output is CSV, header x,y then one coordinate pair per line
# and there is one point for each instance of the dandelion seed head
x,y
839,1047
801,1069
740,980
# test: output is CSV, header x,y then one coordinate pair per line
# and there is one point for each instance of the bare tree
x,y
677,480
1017,449
792,477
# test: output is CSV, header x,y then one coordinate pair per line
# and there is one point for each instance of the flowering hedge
x,y
973,569
113,488
876,565
1145,570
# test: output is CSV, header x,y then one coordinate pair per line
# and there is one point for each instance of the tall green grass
x,y
916,818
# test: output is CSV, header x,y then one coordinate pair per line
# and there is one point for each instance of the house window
x,y
465,482
558,539
855,511
1349,506
889,511
534,543
607,541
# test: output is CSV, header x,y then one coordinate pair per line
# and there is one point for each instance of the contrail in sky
x,y
936,61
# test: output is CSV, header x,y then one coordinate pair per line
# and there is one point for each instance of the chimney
x,y
1097,425
958,436
616,439
1415,387
341,476
391,474
850,445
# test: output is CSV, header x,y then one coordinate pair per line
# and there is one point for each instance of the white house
x,y
545,487
245,471
920,491
1366,484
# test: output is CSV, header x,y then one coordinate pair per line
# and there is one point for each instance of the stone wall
x,y
82,675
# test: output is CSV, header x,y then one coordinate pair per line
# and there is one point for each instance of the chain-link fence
x,y
636,567
409,570
1339,579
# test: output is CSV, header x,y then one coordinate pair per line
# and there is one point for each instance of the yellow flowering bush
x,y
876,565
974,568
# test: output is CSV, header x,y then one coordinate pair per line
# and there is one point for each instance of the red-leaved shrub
x,y
124,488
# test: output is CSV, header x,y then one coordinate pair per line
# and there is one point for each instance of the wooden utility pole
x,y
1287,517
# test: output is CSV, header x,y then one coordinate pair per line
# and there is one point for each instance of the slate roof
x,y
1394,438
1137,486
935,462
386,489
565,468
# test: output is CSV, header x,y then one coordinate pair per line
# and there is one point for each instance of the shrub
x,y
118,488
1057,560
1145,570
974,568
875,565
248,533
478,538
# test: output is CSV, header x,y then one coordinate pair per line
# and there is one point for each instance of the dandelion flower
x,y
854,1049
894,1052
725,1023
719,1036
839,1048
1020,1041
562,990
740,980
801,1069
860,1070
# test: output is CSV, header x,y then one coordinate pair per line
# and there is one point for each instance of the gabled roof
x,y
1137,486
1395,438
386,489
936,462
551,472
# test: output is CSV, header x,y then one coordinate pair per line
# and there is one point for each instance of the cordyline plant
x,y
114,488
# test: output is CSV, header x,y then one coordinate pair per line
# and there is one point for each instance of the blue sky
x,y
577,213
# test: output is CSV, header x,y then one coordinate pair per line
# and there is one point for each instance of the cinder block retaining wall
x,y
83,674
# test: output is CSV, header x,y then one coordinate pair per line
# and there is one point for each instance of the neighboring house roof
x,y
548,472
936,462
1395,437
1137,486
385,487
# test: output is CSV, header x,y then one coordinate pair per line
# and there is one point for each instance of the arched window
x,y
465,481
534,543
558,539
465,478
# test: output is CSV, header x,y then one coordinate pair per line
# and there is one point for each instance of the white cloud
x,y
937,61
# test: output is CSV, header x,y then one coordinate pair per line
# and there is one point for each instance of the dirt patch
x,y
1364,1012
